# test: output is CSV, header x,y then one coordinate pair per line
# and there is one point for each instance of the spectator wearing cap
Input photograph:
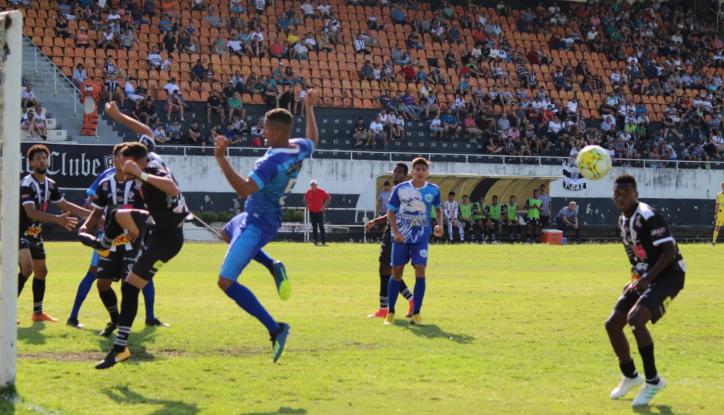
x,y
316,200
567,218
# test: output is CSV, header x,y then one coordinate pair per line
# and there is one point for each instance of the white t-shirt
x,y
234,44
435,123
28,95
301,49
170,87
324,9
555,127
260,4
307,8
376,127
572,106
155,59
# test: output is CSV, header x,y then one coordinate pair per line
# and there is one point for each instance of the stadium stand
x,y
541,80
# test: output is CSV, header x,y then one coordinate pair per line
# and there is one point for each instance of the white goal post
x,y
11,58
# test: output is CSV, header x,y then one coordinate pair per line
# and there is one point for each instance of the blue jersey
x,y
275,174
91,191
412,207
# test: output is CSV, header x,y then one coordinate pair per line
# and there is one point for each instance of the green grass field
x,y
511,329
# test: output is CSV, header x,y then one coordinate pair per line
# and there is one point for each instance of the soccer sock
x,y
628,369
419,294
83,289
149,300
393,286
715,236
21,282
129,308
38,295
249,303
384,280
647,355
111,302
264,259
404,290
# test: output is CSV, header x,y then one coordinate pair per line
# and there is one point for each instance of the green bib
x,y
512,211
495,212
534,206
477,211
466,211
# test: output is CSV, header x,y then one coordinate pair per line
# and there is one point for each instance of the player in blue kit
x,y
265,190
408,213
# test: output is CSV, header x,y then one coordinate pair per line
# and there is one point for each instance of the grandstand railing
x,y
393,156
68,86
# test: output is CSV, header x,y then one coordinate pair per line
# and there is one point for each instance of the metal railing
x,y
68,86
394,156
364,219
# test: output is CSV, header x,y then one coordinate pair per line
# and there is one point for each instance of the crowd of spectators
x,y
34,121
667,51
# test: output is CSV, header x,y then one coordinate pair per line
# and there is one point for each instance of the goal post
x,y
11,58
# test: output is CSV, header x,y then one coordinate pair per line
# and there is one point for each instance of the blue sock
x,y
419,294
264,259
248,302
393,288
83,289
149,299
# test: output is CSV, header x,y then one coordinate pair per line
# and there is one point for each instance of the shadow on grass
x,y
284,410
136,342
654,410
8,400
431,331
33,334
122,395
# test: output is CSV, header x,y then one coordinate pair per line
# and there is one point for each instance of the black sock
x,y
384,280
628,369
38,295
111,302
129,308
404,290
647,355
21,282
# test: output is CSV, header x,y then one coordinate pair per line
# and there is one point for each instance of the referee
x,y
316,201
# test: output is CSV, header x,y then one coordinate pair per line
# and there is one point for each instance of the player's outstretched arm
x,y
73,209
131,123
162,183
309,101
68,222
92,221
243,186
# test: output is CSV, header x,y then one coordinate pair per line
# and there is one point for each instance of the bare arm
x,y
327,201
312,132
243,186
92,221
668,255
68,222
164,184
73,209
131,123
393,224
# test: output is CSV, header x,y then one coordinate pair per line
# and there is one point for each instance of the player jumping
x,y
265,190
408,214
657,277
718,215
399,175
37,191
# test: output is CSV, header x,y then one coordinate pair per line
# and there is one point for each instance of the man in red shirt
x,y
317,200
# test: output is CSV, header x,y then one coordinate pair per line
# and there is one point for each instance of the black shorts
x,y
386,248
158,248
533,221
656,298
35,245
116,265
495,221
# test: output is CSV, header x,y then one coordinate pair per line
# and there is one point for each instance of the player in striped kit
x,y
451,210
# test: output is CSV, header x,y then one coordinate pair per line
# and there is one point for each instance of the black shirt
x,y
39,195
168,212
113,194
643,235
214,101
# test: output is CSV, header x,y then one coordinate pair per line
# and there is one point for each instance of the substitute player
x,y
399,175
37,191
451,209
265,190
533,216
718,215
408,214
657,277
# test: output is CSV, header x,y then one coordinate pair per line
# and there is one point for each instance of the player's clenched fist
x,y
220,145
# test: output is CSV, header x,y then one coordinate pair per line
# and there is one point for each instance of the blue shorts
x,y
234,225
245,242
403,252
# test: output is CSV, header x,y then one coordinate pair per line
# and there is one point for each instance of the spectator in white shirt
x,y
27,97
436,127
159,134
307,9
130,90
608,124
325,10
376,132
155,60
171,86
451,210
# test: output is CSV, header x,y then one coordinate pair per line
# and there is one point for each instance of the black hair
x,y
280,115
625,179
386,183
451,193
134,150
118,148
403,166
37,148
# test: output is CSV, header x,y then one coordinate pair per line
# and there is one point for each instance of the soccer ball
x,y
593,162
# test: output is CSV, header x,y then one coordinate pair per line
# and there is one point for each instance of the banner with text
x,y
73,166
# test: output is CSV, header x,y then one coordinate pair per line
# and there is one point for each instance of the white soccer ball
x,y
593,162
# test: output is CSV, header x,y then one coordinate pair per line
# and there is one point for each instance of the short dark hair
x,y
451,193
37,148
134,150
495,196
420,160
118,148
386,183
280,115
625,179
403,166
466,196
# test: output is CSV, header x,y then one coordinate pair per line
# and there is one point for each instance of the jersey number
x,y
292,172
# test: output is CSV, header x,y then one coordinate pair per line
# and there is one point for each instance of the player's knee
x,y
612,325
224,283
40,273
635,319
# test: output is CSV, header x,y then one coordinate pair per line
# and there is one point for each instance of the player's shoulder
x,y
26,180
646,211
303,144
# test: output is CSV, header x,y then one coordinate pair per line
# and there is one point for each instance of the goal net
x,y
11,29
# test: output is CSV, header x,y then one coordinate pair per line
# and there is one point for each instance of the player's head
x,y
386,185
420,169
278,127
535,193
572,205
136,152
466,199
495,199
313,184
38,157
625,194
512,198
148,142
117,156
542,188
399,173
451,196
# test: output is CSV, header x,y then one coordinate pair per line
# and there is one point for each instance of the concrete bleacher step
x,y
57,135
